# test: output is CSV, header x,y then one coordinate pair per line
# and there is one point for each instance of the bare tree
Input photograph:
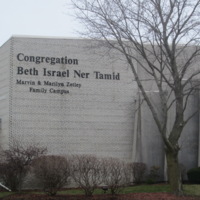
x,y
53,172
87,173
161,37
16,161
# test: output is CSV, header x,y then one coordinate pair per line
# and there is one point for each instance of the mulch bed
x,y
135,196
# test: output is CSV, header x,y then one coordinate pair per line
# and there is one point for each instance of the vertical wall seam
x,y
11,90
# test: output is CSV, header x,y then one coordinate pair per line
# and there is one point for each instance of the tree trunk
x,y
173,170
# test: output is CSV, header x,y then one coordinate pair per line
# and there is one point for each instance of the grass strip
x,y
192,190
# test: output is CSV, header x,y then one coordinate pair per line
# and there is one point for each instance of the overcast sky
x,y
36,17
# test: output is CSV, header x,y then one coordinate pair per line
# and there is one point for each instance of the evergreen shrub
x,y
194,175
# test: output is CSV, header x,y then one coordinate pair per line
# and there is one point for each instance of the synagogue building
x,y
76,97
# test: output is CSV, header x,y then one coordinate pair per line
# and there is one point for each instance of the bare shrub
x,y
9,176
16,162
154,174
137,170
53,172
87,172
114,174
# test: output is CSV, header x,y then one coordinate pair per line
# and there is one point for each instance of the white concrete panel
x,y
189,138
151,145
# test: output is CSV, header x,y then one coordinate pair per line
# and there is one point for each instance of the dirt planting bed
x,y
135,196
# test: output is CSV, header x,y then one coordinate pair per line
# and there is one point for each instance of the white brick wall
x,y
5,54
96,118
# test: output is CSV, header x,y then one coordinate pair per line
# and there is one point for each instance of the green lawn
x,y
147,188
193,190
4,194
188,189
